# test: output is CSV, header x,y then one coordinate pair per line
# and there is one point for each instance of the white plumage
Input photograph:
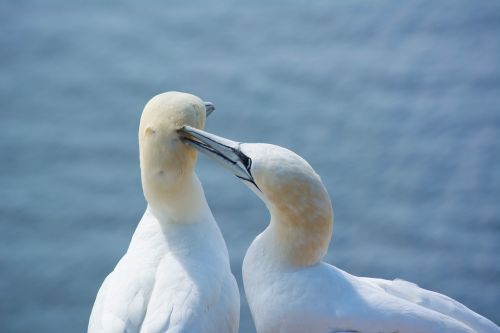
x,y
288,287
323,298
175,276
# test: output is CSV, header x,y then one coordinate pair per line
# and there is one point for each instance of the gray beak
x,y
209,108
223,151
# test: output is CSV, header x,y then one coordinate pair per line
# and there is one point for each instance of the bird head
x,y
165,160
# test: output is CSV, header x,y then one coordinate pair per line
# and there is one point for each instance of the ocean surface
x,y
396,104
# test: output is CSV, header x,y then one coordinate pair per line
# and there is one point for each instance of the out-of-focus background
x,y
395,104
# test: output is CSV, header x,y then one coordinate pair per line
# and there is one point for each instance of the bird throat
x,y
301,241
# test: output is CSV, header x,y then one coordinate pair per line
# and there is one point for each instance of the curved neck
x,y
301,237
183,203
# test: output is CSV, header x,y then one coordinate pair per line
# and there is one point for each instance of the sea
x,y
395,104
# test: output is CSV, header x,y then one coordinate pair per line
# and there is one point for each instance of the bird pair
x,y
175,276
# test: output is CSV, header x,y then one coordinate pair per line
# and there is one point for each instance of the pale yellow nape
x,y
300,207
166,162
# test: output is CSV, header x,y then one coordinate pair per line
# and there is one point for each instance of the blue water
x,y
395,104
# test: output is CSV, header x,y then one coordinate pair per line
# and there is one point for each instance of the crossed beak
x,y
221,150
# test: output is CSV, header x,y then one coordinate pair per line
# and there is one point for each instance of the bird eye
x,y
149,131
247,162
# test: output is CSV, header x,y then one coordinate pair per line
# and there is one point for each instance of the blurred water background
x,y
396,104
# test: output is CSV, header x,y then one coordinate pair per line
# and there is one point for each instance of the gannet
x,y
288,287
175,276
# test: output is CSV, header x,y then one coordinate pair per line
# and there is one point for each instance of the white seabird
x,y
175,276
288,287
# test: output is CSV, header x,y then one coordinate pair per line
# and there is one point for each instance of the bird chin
x,y
255,190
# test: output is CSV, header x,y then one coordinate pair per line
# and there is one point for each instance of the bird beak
x,y
221,150
209,108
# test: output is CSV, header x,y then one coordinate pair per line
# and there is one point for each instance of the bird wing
x,y
95,322
363,305
121,302
191,299
434,301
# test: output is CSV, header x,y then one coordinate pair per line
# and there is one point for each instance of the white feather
x,y
175,276
293,291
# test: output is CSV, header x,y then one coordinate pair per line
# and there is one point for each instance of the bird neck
x,y
301,239
183,202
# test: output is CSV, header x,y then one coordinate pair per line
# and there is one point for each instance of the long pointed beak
x,y
209,108
223,151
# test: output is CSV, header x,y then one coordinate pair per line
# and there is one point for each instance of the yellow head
x,y
300,207
166,162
